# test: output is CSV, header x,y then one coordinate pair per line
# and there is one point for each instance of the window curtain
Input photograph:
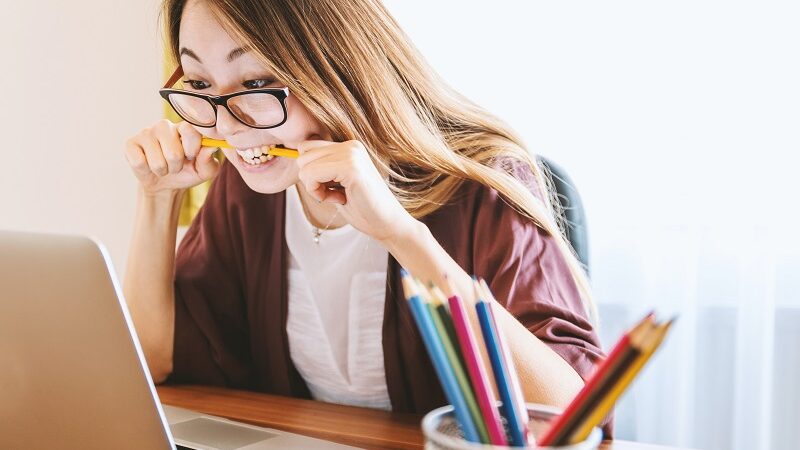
x,y
727,377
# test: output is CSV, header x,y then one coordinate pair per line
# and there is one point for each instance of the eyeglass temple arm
x,y
174,77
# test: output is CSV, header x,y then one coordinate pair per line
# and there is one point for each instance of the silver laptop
x,y
72,374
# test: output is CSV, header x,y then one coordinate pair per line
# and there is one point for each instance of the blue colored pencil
x,y
440,362
517,430
516,388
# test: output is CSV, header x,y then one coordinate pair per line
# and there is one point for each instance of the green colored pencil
x,y
440,317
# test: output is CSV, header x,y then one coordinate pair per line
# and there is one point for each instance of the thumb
x,y
206,165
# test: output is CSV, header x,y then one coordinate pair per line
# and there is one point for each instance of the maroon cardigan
x,y
231,292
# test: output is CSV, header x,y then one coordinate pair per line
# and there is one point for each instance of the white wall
x,y
640,101
78,78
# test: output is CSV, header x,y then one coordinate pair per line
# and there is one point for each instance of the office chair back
x,y
573,215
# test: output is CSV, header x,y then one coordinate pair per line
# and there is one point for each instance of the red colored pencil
x,y
560,424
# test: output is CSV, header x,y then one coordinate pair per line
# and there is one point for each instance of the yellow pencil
x,y
601,411
274,151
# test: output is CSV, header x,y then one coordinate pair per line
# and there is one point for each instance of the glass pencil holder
x,y
442,432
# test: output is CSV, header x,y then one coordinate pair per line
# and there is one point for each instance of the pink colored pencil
x,y
477,372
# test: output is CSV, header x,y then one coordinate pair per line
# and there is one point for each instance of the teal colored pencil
x,y
440,317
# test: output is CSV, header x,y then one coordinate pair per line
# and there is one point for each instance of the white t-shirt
x,y
337,290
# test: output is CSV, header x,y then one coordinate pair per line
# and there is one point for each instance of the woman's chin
x,y
268,178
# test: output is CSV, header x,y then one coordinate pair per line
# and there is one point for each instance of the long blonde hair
x,y
349,63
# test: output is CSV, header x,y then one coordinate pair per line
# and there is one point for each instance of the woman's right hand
x,y
167,157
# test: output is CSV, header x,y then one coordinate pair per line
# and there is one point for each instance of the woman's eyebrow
x,y
189,53
235,53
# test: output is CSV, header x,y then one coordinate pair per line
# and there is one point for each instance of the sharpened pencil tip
x,y
671,321
409,287
477,290
449,289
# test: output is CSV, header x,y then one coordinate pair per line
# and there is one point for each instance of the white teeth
x,y
256,155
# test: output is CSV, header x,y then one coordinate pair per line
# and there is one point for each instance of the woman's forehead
x,y
203,35
204,42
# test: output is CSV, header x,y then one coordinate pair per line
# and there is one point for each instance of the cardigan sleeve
x,y
529,276
210,343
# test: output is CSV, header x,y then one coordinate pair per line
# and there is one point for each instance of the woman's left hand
x,y
365,199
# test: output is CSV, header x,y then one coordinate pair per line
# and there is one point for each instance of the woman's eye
x,y
257,84
197,85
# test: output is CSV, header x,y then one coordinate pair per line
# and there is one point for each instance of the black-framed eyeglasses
x,y
256,108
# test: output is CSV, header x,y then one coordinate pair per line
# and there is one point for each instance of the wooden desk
x,y
360,427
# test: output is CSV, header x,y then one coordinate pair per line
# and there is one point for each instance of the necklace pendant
x,y
317,234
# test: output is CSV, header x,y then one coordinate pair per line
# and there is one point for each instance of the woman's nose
x,y
227,124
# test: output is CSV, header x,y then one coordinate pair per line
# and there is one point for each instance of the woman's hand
x,y
365,199
167,157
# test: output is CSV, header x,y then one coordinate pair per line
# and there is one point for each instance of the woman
x,y
288,279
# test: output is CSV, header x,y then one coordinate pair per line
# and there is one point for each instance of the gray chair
x,y
574,217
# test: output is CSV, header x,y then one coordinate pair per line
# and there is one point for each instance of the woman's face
x,y
215,64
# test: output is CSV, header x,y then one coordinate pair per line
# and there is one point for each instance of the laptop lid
x,y
72,374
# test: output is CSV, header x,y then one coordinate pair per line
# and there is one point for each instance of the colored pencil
x,y
476,369
564,425
438,298
649,345
516,389
456,353
441,317
502,374
439,358
273,150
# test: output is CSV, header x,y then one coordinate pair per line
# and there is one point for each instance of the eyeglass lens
x,y
253,109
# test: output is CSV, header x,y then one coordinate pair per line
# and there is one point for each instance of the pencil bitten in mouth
x,y
256,155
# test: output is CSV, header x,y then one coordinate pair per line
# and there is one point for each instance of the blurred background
x,y
678,122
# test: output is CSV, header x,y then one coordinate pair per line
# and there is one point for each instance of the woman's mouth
x,y
255,156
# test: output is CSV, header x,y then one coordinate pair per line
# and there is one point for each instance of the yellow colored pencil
x,y
274,151
650,345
